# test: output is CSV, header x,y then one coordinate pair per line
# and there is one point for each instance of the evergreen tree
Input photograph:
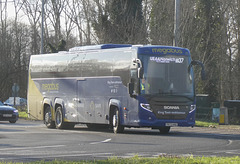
x,y
209,20
122,22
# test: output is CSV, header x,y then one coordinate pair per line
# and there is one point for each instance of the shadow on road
x,y
177,132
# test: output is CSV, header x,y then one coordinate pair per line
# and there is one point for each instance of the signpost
x,y
15,89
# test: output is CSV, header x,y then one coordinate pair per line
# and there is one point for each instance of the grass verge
x,y
157,160
23,114
206,124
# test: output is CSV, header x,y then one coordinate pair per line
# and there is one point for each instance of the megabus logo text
x,y
167,50
50,87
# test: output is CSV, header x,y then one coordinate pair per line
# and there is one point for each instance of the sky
x,y
11,11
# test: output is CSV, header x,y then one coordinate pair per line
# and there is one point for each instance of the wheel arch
x,y
46,103
58,102
53,106
114,104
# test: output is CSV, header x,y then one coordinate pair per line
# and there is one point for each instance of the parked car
x,y
19,101
8,113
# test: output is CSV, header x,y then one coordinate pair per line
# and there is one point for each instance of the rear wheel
x,y
48,118
164,130
59,119
117,127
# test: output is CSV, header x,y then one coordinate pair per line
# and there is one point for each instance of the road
x,y
28,141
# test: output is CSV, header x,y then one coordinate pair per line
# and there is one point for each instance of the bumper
x,y
7,117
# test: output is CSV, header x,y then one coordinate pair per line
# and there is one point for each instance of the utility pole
x,y
176,23
42,27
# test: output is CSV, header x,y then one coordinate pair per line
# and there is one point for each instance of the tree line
x,y
210,29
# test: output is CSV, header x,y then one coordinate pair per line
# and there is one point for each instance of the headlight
x,y
146,107
192,108
15,111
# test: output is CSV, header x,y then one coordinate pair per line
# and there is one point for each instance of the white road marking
x,y
229,142
29,148
107,140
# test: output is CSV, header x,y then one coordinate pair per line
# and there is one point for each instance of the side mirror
x,y
140,68
196,62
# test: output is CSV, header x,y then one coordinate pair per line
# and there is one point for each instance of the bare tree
x,y
79,12
237,14
162,21
4,55
54,10
33,12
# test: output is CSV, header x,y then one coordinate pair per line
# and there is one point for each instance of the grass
x,y
176,160
23,114
206,124
157,160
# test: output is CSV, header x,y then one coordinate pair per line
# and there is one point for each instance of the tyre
x,y
59,119
117,127
13,121
48,118
164,130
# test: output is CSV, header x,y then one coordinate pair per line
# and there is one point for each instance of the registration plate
x,y
171,124
7,115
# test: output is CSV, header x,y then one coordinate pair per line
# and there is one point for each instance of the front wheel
x,y
164,130
117,127
13,121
